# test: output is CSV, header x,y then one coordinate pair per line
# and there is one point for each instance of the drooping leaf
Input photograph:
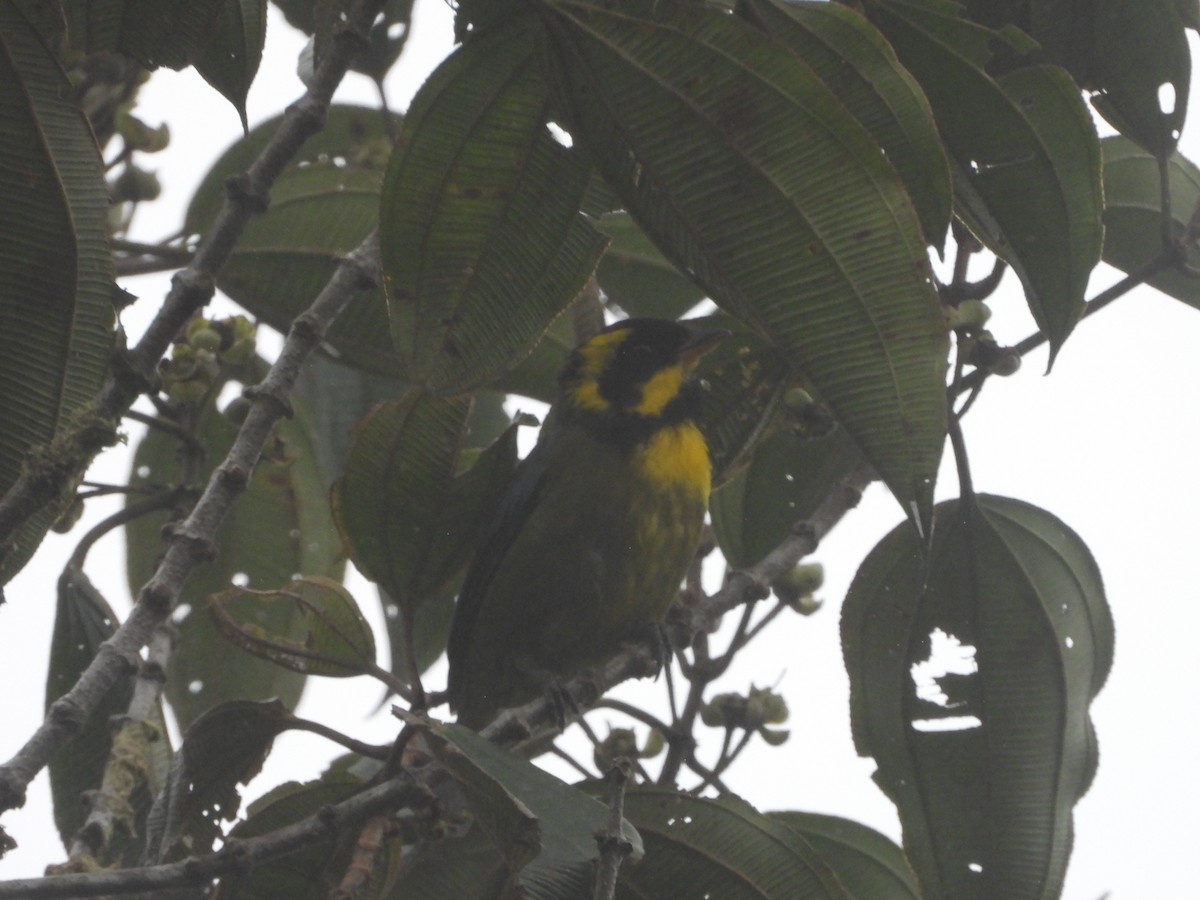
x,y
331,638
859,66
280,528
970,686
545,829
56,279
697,847
1133,214
481,236
711,132
221,749
868,865
229,61
1027,174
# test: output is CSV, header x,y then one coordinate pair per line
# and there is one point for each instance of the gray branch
x,y
191,543
234,856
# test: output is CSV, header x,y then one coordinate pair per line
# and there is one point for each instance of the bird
x,y
592,537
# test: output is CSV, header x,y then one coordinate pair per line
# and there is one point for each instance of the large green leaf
x,y
868,865
288,254
697,847
971,676
156,33
56,286
639,279
787,478
1133,214
279,528
749,174
409,522
482,240
230,59
858,65
398,475
318,214
1027,174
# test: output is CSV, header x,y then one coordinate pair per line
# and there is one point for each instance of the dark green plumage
x,y
596,530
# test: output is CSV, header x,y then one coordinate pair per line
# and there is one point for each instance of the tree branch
x,y
191,542
51,468
234,856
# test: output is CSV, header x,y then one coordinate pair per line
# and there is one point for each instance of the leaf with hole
x,y
971,674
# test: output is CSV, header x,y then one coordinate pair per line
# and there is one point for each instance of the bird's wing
x,y
514,509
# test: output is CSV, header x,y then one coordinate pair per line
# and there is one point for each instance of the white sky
x,y
1108,443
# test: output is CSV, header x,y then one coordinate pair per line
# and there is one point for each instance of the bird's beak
x,y
701,342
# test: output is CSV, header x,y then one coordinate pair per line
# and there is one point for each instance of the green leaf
x,y
1133,214
857,64
389,504
482,240
229,61
331,638
170,33
867,864
545,829
279,528
318,214
1027,174
710,132
697,847
639,279
971,676
56,279
223,748
355,135
314,871
787,479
